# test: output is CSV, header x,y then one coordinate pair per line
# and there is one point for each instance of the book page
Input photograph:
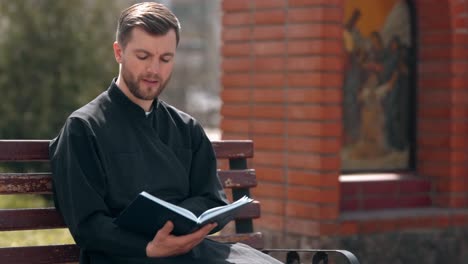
x,y
172,207
210,213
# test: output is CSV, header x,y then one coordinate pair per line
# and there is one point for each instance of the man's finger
x,y
198,236
166,229
205,230
211,226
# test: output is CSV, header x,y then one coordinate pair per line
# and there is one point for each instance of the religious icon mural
x,y
376,87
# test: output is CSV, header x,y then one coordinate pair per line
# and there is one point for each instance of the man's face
x,y
146,63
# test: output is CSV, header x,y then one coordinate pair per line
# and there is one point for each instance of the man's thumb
x,y
167,228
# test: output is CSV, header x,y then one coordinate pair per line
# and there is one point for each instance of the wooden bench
x,y
236,179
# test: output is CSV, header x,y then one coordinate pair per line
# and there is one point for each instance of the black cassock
x,y
109,151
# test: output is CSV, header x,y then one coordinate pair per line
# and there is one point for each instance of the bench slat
x,y
24,150
48,218
33,183
26,219
235,179
233,149
40,254
254,240
38,150
41,183
250,211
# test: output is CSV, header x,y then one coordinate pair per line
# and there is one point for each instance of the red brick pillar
x,y
282,77
443,99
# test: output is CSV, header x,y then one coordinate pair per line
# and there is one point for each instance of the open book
x,y
147,214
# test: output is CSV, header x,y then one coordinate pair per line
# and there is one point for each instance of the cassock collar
x,y
133,109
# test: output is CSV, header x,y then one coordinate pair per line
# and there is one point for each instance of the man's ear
x,y
117,52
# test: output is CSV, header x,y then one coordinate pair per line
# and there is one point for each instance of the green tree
x,y
54,57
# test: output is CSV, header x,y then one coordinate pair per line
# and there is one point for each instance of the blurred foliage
x,y
54,57
35,238
25,201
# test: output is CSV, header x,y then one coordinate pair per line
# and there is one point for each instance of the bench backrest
x,y
236,179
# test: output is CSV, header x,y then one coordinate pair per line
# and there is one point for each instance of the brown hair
x,y
152,17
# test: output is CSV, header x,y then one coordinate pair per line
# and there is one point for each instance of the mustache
x,y
152,77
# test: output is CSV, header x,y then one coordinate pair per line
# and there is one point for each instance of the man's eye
x,y
165,59
142,57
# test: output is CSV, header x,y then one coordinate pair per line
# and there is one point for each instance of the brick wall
x,y
282,77
442,100
282,88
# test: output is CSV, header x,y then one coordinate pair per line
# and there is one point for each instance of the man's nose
x,y
153,67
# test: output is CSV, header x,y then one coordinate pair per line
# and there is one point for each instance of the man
x,y
126,141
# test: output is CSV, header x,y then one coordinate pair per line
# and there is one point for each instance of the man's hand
x,y
164,244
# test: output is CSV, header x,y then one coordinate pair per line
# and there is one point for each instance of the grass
x,y
31,237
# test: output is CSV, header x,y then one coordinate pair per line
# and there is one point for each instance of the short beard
x,y
137,91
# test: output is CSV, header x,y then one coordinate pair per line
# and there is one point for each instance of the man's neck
x,y
145,104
